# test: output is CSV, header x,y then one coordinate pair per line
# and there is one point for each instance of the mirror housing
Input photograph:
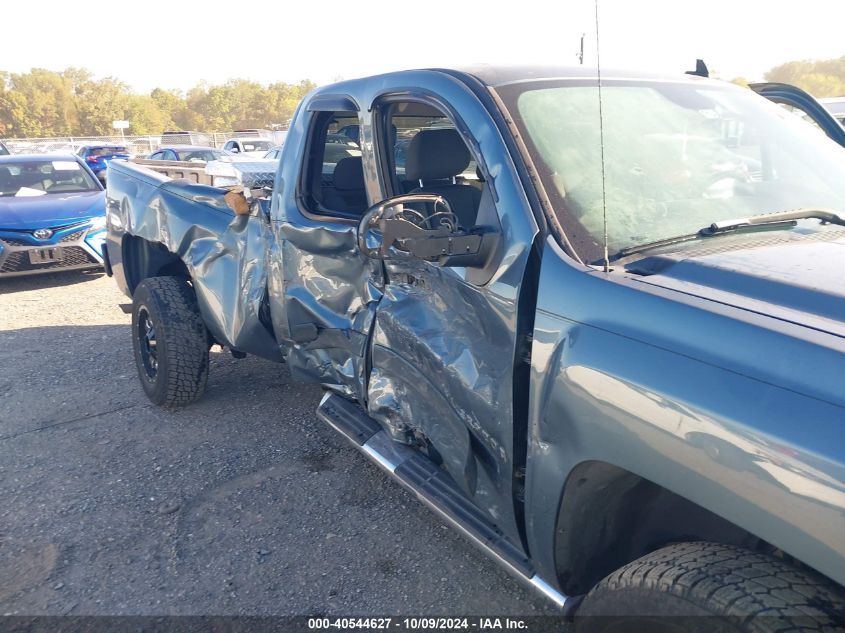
x,y
438,238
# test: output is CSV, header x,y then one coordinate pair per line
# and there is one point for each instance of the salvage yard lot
x,y
241,504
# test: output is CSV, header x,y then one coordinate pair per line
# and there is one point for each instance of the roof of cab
x,y
500,76
496,76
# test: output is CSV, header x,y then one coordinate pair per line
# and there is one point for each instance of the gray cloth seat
x,y
435,157
347,193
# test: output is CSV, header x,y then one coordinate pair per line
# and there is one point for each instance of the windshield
x,y
197,155
677,157
39,178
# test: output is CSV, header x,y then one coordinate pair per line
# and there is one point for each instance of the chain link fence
x,y
138,145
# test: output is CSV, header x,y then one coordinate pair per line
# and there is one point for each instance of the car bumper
x,y
80,249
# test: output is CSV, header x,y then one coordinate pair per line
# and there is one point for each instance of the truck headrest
x,y
436,155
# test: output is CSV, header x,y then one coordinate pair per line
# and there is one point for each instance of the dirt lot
x,y
242,504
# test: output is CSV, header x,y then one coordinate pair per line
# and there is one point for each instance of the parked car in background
x,y
52,214
252,133
188,153
56,148
181,137
20,147
802,104
353,132
4,151
341,139
257,147
144,144
836,106
97,157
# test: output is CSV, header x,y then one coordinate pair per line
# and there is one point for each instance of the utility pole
x,y
581,54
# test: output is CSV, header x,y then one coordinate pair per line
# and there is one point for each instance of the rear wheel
x,y
170,341
735,589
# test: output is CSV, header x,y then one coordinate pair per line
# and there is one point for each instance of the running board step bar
x,y
435,488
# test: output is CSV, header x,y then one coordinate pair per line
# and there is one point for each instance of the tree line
x,y
821,78
72,102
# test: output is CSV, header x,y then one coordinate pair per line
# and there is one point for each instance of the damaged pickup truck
x,y
600,331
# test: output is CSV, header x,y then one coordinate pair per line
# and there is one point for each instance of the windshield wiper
x,y
764,221
825,215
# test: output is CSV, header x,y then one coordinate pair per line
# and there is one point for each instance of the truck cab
x,y
501,292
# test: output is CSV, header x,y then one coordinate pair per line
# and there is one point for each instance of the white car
x,y
836,106
256,147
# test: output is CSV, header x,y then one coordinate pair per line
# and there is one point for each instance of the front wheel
x,y
170,341
703,587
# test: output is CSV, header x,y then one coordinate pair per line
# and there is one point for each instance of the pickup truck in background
x,y
611,354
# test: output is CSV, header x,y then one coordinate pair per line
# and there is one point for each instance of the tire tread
x,y
730,581
185,336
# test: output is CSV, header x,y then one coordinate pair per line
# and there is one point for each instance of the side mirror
x,y
391,230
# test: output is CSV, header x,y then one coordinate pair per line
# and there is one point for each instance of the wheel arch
x,y
609,516
143,259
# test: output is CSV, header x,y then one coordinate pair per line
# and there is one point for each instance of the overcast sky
x,y
172,44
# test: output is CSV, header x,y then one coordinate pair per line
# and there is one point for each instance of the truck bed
x,y
170,225
176,169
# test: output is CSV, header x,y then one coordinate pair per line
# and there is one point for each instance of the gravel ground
x,y
241,504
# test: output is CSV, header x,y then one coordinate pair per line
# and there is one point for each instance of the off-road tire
x,y
711,587
181,341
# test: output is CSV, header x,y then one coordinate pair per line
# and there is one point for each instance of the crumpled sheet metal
x,y
225,255
329,304
442,366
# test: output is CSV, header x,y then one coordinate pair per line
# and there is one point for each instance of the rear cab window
x,y
333,177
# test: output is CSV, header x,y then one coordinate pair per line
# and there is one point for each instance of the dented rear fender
x,y
226,256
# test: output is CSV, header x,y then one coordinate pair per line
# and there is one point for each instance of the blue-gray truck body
x,y
591,410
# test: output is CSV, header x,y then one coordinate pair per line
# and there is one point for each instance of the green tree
x,y
821,78
100,103
38,103
74,103
146,116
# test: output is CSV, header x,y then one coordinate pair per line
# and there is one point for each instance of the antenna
x,y
581,53
601,142
700,69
